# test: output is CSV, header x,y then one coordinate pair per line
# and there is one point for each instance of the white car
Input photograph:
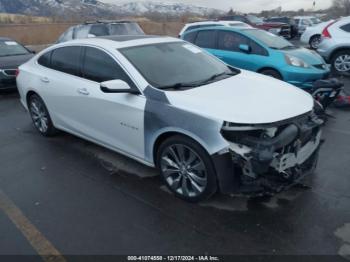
x,y
196,25
312,34
168,104
335,45
304,22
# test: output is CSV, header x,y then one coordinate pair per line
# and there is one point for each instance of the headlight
x,y
294,61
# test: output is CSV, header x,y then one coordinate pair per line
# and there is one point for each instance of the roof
x,y
124,38
109,22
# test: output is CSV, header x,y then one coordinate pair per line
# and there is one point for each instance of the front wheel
x,y
40,116
186,169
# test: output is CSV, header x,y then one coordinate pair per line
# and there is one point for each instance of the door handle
x,y
45,80
83,91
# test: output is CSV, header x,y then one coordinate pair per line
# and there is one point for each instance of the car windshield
x,y
176,65
254,19
315,20
126,29
269,39
11,48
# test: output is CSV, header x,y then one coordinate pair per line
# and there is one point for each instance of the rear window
x,y
126,29
206,39
346,28
99,30
67,60
12,48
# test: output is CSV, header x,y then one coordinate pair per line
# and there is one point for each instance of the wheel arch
x,y
165,134
270,68
29,94
337,50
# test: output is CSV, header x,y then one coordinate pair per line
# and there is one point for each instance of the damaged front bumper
x,y
267,159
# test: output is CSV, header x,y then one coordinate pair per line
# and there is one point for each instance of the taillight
x,y
325,32
17,72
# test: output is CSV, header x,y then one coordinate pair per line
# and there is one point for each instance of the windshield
x,y
11,48
254,19
126,29
269,39
315,20
176,64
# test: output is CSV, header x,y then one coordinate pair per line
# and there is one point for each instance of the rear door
x,y
60,81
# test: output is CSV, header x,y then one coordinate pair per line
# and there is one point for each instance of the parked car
x,y
205,125
312,34
286,20
260,51
101,28
196,25
12,55
304,22
276,28
335,45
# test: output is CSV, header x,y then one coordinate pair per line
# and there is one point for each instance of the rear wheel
x,y
340,62
315,41
40,116
186,169
271,72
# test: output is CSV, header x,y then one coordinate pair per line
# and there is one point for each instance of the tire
x,y
336,64
40,116
186,169
271,72
315,41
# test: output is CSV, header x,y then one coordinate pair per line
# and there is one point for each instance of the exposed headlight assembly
x,y
294,61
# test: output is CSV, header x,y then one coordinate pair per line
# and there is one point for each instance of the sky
x,y
245,5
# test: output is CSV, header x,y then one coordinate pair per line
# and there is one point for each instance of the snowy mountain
x,y
96,8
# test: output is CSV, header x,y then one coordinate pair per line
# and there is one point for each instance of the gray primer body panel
x,y
161,117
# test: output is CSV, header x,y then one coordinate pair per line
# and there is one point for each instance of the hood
x,y
13,62
247,98
310,57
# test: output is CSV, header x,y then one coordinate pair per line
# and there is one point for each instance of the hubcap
x,y
39,116
315,42
342,63
184,170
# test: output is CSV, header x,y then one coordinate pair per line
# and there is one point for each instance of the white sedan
x,y
168,104
312,35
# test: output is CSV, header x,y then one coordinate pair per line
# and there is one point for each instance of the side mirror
x,y
245,48
117,86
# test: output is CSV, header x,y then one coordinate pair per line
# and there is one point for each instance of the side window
x,y
230,41
190,37
45,59
67,60
192,27
99,30
206,39
346,28
100,67
257,49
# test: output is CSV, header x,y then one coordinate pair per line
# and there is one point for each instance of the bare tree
x,y
342,7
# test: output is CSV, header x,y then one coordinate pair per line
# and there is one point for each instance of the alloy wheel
x,y
342,63
39,115
315,42
184,170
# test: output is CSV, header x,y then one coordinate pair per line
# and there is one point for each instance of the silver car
x,y
335,45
